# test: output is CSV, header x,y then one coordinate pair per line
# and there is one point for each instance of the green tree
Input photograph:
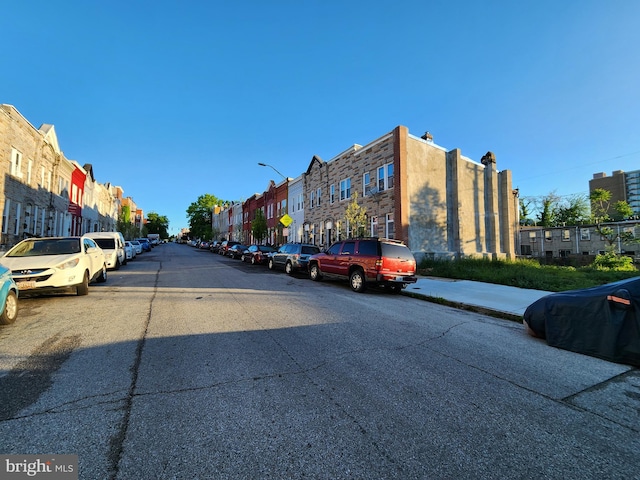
x,y
525,211
600,208
158,224
200,215
123,225
356,215
259,226
573,211
548,210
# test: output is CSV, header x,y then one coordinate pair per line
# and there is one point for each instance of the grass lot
x,y
522,273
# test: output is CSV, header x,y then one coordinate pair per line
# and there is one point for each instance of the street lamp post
x,y
273,168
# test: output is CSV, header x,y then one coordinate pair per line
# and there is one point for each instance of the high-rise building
x,y
624,186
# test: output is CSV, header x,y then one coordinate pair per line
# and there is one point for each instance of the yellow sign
x,y
286,220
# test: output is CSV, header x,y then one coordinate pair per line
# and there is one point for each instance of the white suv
x,y
56,263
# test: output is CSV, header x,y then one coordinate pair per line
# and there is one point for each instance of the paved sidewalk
x,y
512,301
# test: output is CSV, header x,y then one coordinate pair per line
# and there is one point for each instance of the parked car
x,y
257,254
204,245
137,246
8,297
236,251
56,263
213,246
146,245
129,250
292,257
226,245
112,244
366,261
601,321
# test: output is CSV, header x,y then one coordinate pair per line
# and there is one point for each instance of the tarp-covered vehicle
x,y
602,321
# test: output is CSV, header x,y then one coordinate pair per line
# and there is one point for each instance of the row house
x,y
439,202
582,242
43,192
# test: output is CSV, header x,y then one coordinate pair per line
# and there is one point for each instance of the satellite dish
x,y
373,191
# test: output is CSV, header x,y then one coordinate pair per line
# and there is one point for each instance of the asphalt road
x,y
189,365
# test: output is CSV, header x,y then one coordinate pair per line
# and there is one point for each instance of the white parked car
x,y
112,243
129,251
56,263
137,246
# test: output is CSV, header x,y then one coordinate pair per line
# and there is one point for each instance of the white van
x,y
112,243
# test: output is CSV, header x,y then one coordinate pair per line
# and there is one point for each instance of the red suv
x,y
375,261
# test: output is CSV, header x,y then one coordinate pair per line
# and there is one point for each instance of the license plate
x,y
399,279
26,285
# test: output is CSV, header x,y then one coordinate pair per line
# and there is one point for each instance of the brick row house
x,y
44,193
438,202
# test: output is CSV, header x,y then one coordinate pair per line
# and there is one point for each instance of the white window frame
x,y
332,194
345,189
29,170
385,177
5,216
373,224
390,226
312,200
366,183
16,225
318,196
16,163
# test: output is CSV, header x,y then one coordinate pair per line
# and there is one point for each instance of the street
x,y
188,365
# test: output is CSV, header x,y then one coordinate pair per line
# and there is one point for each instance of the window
x,y
16,163
390,230
312,200
332,194
5,216
318,195
345,189
29,169
349,248
283,206
566,235
565,253
525,249
366,183
385,177
585,234
547,235
374,226
16,225
532,236
49,181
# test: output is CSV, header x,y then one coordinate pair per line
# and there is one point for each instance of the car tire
x,y
83,288
288,268
271,264
314,273
118,264
253,260
356,281
10,312
103,275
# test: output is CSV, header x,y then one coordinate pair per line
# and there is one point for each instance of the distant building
x,y
624,186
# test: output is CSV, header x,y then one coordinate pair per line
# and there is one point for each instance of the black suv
x,y
292,256
376,261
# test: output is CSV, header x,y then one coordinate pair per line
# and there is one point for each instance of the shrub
x,y
611,261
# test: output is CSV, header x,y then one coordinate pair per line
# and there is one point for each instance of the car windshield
x,y
49,246
308,250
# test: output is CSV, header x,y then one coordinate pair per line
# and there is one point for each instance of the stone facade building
x,y
43,192
438,202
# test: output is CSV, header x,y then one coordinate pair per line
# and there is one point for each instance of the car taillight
x,y
379,264
296,256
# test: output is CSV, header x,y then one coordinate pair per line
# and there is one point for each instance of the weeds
x,y
526,273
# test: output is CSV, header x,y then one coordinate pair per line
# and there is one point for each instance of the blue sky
x,y
174,99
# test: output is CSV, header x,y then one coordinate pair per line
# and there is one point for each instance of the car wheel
x,y
314,273
253,260
356,280
10,312
118,264
271,265
288,268
83,288
243,258
103,275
